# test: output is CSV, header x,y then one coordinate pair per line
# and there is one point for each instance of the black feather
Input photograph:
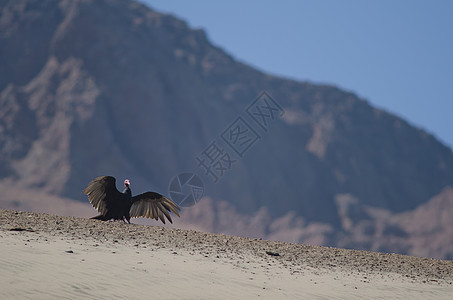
x,y
112,204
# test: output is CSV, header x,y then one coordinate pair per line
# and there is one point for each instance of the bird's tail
x,y
100,217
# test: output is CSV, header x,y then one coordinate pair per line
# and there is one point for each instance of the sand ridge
x,y
67,257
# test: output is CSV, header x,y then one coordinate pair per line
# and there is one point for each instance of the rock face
x,y
91,88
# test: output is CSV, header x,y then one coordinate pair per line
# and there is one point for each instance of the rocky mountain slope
x,y
89,88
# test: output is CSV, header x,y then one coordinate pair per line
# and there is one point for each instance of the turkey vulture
x,y
112,204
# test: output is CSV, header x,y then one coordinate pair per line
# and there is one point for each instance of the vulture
x,y
112,204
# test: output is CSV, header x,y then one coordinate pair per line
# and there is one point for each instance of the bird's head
x,y
127,183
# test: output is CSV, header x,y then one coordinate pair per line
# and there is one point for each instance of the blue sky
x,y
397,54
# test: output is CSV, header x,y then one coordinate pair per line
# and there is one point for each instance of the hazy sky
x,y
397,54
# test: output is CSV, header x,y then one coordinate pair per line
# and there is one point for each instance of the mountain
x,y
101,87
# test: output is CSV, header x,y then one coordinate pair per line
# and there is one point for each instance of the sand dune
x,y
52,257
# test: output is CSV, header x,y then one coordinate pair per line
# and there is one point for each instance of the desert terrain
x,y
45,256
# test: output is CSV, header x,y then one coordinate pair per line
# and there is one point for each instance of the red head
x,y
127,183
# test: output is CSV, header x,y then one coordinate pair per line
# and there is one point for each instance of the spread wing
x,y
103,194
153,205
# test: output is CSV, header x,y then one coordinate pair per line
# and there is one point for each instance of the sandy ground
x,y
52,257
